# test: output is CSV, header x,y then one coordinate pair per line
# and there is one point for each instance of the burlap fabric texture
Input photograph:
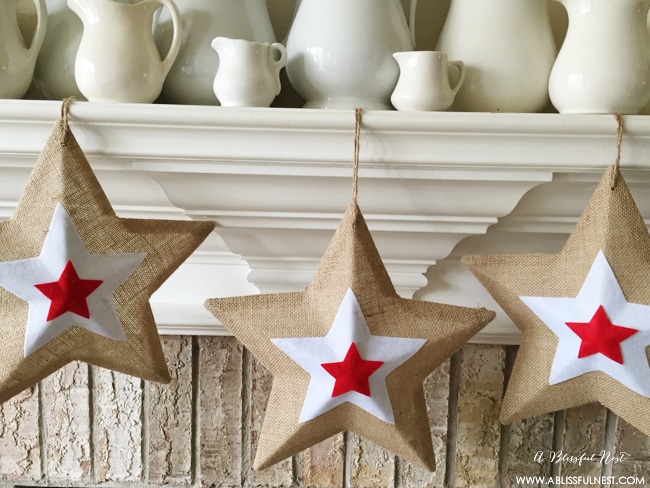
x,y
63,175
611,223
350,262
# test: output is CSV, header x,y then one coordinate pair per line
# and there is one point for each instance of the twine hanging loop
x,y
619,141
355,174
65,111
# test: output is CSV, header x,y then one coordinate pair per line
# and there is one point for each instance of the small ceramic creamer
x,y
423,82
16,60
192,75
117,59
249,72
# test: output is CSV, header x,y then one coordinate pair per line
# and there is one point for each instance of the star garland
x,y
584,312
75,279
347,353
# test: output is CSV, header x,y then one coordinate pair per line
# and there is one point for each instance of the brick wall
x,y
85,426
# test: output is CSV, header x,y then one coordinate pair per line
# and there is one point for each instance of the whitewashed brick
x,y
280,474
371,466
322,465
20,456
170,417
631,454
117,429
220,392
66,419
584,433
479,404
531,444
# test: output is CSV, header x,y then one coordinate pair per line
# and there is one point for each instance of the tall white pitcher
x,y
16,60
508,50
54,73
604,63
340,52
117,59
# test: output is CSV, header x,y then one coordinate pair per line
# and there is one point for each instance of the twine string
x,y
65,111
355,174
619,141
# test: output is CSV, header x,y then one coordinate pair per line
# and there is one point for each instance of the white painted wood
x,y
433,186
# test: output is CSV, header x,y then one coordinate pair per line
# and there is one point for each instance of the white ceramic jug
x,y
117,59
54,73
191,78
16,60
340,52
249,72
423,82
604,63
508,50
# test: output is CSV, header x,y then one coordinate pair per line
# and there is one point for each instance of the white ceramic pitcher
x,y
340,52
54,73
16,60
249,72
190,80
604,63
508,50
117,59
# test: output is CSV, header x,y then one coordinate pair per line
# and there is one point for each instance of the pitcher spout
x,y
85,9
219,44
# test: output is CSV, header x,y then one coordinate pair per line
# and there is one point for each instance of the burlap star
x,y
351,289
64,204
565,362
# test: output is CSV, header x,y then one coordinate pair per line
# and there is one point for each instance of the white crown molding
x,y
276,181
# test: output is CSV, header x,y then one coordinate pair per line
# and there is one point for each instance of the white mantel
x,y
277,181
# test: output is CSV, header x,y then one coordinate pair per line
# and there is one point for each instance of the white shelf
x,y
433,186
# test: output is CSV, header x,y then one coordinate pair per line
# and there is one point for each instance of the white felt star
x,y
63,245
599,289
349,328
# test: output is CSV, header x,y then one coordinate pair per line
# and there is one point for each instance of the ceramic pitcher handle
x,y
277,62
175,46
39,32
461,75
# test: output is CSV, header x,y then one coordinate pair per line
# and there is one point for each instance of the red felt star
x,y
69,293
352,373
600,335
